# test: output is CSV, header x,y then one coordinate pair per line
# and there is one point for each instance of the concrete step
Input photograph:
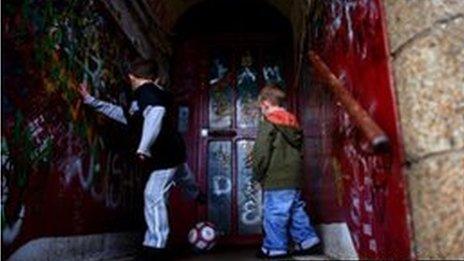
x,y
236,255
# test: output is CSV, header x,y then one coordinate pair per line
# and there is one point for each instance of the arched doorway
x,y
350,187
224,53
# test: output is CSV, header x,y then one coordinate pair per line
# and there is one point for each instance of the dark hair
x,y
142,68
273,94
163,80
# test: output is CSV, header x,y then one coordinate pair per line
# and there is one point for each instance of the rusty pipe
x,y
375,135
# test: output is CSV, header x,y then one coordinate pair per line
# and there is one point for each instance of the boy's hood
x,y
288,125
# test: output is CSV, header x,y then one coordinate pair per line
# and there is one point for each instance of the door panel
x,y
248,197
247,92
220,184
221,109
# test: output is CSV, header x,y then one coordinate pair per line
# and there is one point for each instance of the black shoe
x,y
201,198
315,250
261,255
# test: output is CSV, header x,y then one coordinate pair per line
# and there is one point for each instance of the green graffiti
x,y
23,152
63,43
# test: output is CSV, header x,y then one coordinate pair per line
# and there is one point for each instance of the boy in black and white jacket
x,y
161,148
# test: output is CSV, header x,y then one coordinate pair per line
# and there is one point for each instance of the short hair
x,y
273,94
163,80
143,68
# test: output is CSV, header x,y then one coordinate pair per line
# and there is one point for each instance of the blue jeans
x,y
284,216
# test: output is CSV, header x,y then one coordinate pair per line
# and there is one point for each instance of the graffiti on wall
x,y
54,150
369,187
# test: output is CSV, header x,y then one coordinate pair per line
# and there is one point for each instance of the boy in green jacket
x,y
277,166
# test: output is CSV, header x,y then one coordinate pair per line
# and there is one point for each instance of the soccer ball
x,y
203,236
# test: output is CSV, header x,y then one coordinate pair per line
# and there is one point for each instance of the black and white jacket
x,y
150,113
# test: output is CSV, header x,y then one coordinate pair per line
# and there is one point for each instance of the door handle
x,y
218,133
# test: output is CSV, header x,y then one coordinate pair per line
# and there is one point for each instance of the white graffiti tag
x,y
10,231
246,75
272,74
251,209
72,165
219,71
221,185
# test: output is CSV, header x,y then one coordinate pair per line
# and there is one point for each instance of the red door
x,y
217,81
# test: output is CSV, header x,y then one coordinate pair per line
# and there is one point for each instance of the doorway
x,y
217,71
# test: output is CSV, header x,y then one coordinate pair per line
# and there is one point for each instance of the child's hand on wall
x,y
83,90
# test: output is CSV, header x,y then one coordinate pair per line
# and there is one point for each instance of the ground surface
x,y
227,254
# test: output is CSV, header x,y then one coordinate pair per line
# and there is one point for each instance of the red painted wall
x,y
349,183
64,168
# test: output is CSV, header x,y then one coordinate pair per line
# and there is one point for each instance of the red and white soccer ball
x,y
203,236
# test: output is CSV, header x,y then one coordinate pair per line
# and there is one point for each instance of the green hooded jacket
x,y
277,156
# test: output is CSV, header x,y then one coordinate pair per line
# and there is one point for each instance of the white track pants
x,y
156,198
155,209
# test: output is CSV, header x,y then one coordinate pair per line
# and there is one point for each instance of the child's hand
x,y
142,161
142,157
83,90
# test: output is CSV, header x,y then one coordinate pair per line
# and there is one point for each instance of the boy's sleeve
x,y
153,118
154,110
262,150
110,110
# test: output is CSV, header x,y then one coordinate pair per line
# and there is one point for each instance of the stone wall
x,y
427,52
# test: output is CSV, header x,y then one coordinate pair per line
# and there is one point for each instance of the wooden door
x,y
226,74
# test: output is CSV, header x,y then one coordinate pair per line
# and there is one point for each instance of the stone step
x,y
226,255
